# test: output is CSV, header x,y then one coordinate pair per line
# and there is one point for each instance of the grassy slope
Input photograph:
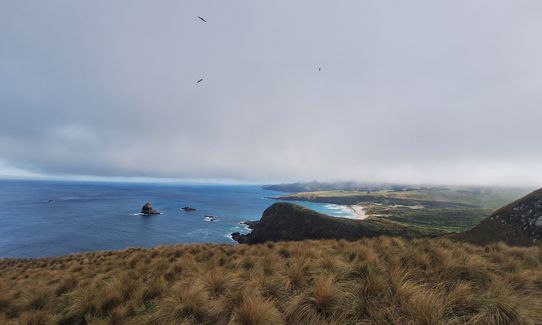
x,y
488,230
449,220
372,281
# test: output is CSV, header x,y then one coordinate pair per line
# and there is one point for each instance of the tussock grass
x,y
372,281
254,310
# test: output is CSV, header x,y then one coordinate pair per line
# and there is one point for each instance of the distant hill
x,y
332,186
388,197
519,223
290,222
430,197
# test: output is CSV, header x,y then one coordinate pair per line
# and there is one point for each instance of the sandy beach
x,y
359,212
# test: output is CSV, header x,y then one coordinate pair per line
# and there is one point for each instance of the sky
x,y
418,91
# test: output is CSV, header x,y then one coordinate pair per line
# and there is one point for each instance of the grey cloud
x,y
417,91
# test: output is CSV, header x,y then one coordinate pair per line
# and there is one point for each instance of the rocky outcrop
x,y
210,219
519,223
148,210
240,238
244,238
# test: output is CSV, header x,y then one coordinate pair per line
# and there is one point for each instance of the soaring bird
x,y
203,20
199,81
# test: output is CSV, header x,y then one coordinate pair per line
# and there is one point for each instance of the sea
x,y
52,218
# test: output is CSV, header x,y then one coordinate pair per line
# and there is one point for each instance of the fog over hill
x,y
420,91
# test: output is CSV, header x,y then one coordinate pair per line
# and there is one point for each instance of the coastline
x,y
358,212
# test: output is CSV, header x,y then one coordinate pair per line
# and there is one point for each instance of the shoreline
x,y
358,212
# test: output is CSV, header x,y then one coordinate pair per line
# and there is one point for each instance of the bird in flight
x,y
319,69
203,20
199,81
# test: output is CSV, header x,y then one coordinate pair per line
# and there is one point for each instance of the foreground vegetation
x,y
372,281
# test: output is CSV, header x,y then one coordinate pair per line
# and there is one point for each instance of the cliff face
x,y
291,222
519,223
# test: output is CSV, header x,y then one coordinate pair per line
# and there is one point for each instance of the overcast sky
x,y
410,91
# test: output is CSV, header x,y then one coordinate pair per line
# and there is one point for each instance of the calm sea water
x,y
85,216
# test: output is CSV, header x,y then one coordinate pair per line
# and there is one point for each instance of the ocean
x,y
52,218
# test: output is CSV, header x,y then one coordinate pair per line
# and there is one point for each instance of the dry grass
x,y
372,281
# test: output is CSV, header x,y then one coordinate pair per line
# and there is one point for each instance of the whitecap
x,y
245,226
336,209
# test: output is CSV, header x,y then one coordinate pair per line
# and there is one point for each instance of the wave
x,y
245,226
332,206
141,214
340,210
243,230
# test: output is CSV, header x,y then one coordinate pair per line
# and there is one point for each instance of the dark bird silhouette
x,y
199,81
319,69
203,20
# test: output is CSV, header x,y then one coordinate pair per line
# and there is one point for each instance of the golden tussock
x,y
372,281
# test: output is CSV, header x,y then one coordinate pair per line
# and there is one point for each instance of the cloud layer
x,y
417,91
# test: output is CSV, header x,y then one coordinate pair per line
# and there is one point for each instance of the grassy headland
x,y
371,281
284,221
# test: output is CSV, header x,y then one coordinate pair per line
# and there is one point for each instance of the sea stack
x,y
149,210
